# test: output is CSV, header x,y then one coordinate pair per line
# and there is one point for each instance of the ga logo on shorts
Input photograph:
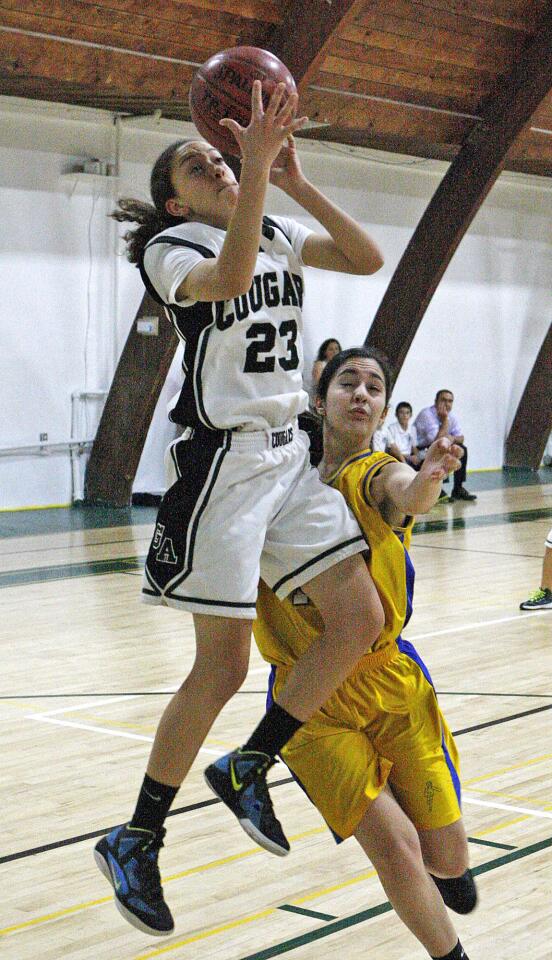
x,y
164,546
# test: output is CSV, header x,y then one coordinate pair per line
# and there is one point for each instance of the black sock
x,y
458,953
459,893
273,732
154,803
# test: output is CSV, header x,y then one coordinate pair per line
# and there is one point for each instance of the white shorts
x,y
244,505
548,541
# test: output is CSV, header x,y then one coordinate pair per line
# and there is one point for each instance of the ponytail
x,y
153,217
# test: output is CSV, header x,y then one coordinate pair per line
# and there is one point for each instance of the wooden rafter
x,y
139,378
459,196
533,420
302,39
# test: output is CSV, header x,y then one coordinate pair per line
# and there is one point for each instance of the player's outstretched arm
x,y
402,491
348,248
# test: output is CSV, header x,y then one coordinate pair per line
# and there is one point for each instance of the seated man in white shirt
x,y
402,440
435,422
379,437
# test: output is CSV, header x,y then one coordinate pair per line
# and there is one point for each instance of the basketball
x,y
222,86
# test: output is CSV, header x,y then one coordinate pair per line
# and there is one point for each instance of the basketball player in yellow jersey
x,y
378,759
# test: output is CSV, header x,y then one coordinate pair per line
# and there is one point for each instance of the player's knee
x,y
230,678
401,852
222,679
450,860
458,893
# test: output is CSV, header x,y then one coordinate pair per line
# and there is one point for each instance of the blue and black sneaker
x,y
128,858
239,779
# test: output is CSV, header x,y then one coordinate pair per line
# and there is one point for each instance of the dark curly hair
x,y
152,218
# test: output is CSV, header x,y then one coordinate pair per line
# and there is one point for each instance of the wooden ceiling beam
x,y
306,32
459,19
372,116
100,70
129,408
263,11
460,195
158,28
410,146
492,12
400,93
427,81
425,40
533,420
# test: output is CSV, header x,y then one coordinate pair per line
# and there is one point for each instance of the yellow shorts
x,y
382,725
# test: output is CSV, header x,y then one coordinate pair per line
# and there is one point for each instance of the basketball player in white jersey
x,y
243,500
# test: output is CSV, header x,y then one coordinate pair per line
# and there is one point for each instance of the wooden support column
x,y
459,196
533,420
302,39
129,407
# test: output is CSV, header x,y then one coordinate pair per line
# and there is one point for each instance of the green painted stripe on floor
x,y
288,945
36,520
67,571
485,520
492,843
18,523
307,913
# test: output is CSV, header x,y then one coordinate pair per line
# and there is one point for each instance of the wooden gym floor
x,y
87,670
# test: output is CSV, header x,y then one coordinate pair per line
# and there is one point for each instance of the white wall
x,y
68,299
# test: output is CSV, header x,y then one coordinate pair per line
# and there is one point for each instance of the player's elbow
x,y
373,263
235,284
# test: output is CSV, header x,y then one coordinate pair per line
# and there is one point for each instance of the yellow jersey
x,y
285,628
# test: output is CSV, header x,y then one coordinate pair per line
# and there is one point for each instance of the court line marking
x,y
89,726
477,626
512,796
491,843
289,908
499,720
507,806
43,718
111,733
163,693
335,926
51,716
508,769
24,576
205,803
93,834
85,706
200,868
485,553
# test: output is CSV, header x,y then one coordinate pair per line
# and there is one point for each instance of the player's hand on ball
x,y
443,457
286,169
268,129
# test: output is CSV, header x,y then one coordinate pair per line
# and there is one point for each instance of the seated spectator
x,y
379,437
541,599
402,441
435,422
547,455
326,351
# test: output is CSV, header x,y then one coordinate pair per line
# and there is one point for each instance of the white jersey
x,y
379,440
243,358
403,439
